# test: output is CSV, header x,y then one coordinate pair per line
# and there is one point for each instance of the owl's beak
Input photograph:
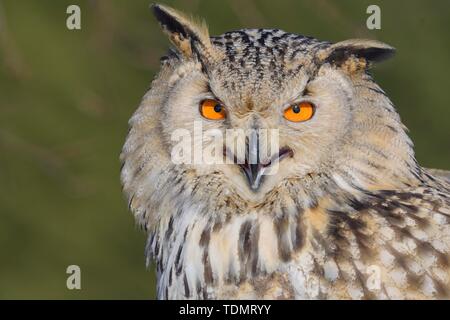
x,y
254,174
254,168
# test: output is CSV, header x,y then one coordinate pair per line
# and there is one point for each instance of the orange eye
x,y
299,112
212,110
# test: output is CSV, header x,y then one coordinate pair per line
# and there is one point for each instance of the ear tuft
x,y
184,32
365,51
167,20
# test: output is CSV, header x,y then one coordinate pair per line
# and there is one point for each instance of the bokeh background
x,y
66,97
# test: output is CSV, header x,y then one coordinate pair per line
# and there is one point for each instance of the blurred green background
x,y
66,97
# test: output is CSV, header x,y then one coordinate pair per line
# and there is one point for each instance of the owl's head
x,y
331,122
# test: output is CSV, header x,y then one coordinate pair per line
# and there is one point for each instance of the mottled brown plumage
x,y
350,214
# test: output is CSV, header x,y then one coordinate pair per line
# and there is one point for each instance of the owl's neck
x,y
218,240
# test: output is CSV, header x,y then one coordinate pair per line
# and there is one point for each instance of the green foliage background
x,y
66,96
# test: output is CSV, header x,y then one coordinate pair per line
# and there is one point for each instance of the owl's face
x,y
288,110
262,92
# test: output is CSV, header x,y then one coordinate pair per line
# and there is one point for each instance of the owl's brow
x,y
306,91
211,91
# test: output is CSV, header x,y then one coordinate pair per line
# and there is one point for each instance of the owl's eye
x,y
299,112
212,110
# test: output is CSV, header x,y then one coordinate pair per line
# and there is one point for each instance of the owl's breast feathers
x,y
379,244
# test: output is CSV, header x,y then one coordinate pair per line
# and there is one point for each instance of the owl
x,y
347,214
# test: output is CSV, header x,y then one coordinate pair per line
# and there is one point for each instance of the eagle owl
x,y
349,214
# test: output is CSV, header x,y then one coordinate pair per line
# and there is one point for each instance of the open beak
x,y
253,167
